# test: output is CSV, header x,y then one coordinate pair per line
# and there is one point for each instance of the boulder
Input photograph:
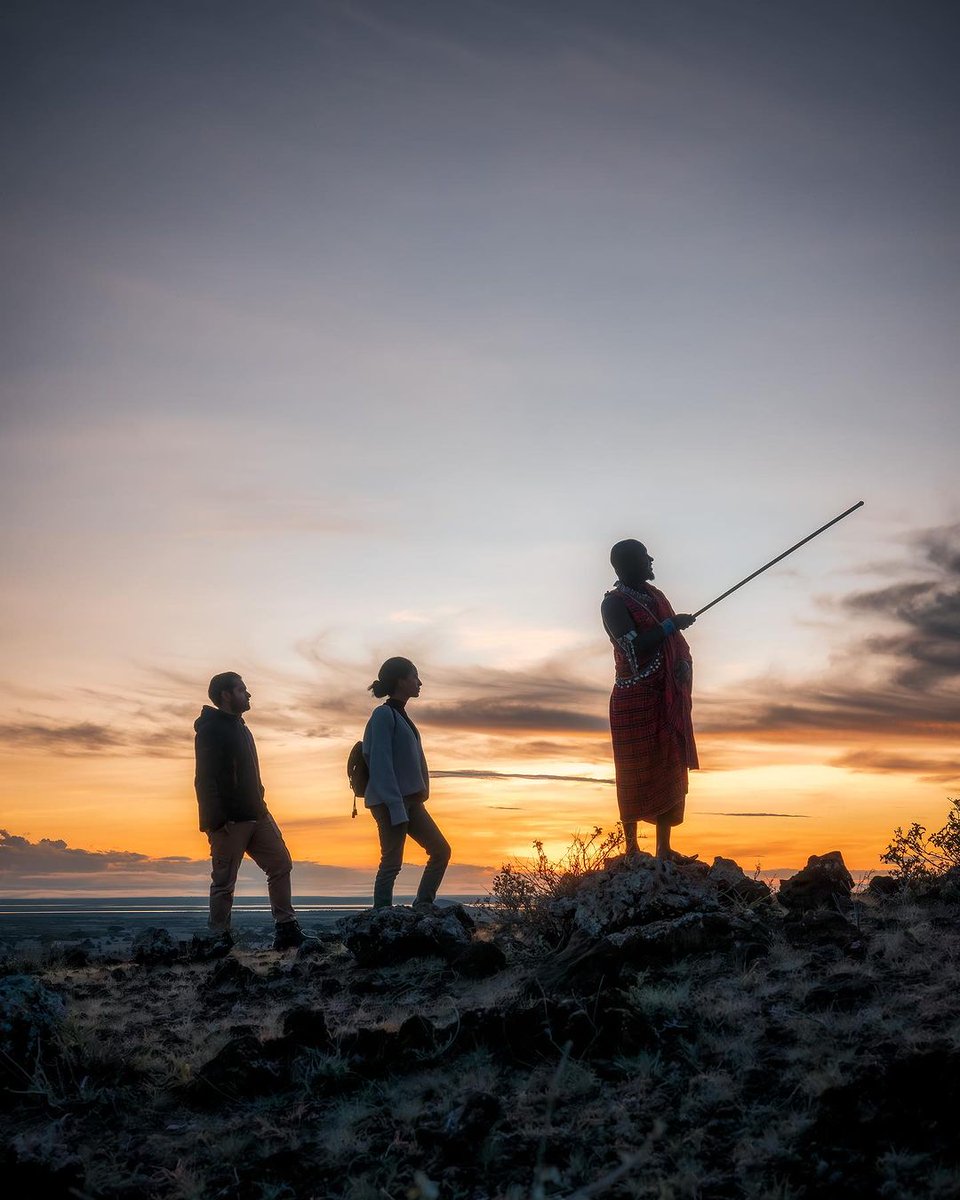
x,y
30,1015
227,979
823,929
823,882
637,890
667,941
479,960
307,1027
883,886
846,990
733,883
386,936
639,909
244,1067
154,947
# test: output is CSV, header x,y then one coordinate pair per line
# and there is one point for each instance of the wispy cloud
x,y
794,816
481,774
84,737
903,682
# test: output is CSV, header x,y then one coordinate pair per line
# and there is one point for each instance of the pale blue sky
x,y
377,324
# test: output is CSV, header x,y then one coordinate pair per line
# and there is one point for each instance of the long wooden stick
x,y
779,558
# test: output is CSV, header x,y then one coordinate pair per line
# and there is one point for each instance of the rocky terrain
x,y
658,1031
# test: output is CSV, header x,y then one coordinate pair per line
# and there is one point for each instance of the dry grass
x,y
720,1103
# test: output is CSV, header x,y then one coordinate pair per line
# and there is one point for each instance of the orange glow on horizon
x,y
146,805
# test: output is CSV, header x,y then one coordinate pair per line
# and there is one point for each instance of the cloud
x,y
480,774
508,715
82,738
883,762
88,737
50,867
794,816
19,857
903,681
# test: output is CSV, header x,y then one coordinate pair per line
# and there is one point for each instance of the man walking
x,y
233,813
650,707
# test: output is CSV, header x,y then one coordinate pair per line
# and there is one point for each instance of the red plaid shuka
x,y
650,723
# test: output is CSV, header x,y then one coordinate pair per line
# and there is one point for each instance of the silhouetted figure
x,y
400,784
233,813
653,744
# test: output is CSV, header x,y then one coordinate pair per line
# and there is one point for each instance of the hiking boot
x,y
289,936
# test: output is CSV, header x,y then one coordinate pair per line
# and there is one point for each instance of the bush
x,y
525,890
919,859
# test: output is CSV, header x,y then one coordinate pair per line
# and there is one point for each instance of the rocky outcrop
x,y
823,882
641,910
386,936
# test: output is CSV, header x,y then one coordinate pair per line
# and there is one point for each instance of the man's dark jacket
x,y
228,773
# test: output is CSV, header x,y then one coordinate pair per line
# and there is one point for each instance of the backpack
x,y
358,774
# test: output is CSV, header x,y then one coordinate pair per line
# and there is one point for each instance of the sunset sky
x,y
334,331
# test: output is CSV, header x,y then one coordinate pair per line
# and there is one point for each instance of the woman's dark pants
x,y
423,829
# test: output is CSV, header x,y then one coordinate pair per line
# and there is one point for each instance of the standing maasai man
x,y
650,724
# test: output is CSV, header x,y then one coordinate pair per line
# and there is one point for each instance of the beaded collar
x,y
643,598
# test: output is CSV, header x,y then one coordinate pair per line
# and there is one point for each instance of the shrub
x,y
524,890
919,858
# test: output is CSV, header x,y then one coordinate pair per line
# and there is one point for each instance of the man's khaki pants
x,y
263,841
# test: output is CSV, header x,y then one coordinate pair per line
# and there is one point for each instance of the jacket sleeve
x,y
383,787
209,753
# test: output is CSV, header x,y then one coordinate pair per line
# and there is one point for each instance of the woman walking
x,y
399,785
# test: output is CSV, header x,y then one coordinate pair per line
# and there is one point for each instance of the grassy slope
x,y
777,1078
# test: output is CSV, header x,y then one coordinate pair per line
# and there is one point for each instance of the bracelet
x,y
668,627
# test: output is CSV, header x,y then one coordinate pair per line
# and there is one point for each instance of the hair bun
x,y
379,689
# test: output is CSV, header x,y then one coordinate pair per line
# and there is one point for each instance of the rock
x,y
307,1027
372,1051
845,991
206,947
154,947
883,886
386,936
228,977
599,1027
479,960
416,1035
822,928
822,882
76,957
636,891
30,1016
668,941
733,883
642,910
242,1068
583,966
